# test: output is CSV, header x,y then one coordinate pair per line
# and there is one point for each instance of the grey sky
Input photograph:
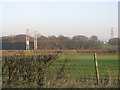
x,y
63,18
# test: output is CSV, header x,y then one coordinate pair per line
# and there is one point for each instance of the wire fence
x,y
53,69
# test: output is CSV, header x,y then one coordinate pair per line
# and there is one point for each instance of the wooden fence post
x,y
96,68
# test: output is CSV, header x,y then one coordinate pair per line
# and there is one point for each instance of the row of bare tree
x,y
53,42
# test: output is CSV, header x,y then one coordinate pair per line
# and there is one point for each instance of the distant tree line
x,y
62,42
53,42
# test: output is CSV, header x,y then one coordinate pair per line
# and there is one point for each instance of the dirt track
x,y
49,52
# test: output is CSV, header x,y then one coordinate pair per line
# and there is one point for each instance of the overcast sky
x,y
60,18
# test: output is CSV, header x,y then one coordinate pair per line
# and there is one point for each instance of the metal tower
x,y
27,40
35,40
112,34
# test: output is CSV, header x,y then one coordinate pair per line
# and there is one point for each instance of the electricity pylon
x,y
112,34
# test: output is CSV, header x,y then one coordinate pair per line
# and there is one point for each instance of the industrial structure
x,y
27,40
35,40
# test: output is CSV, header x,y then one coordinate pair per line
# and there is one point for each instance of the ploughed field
x,y
59,68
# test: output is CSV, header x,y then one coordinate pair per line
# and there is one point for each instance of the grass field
x,y
110,47
78,72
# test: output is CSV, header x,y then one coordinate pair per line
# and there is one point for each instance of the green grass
x,y
107,46
81,67
85,63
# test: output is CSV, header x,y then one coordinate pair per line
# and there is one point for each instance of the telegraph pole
x,y
27,40
35,40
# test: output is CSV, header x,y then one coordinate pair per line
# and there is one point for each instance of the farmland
x,y
60,69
